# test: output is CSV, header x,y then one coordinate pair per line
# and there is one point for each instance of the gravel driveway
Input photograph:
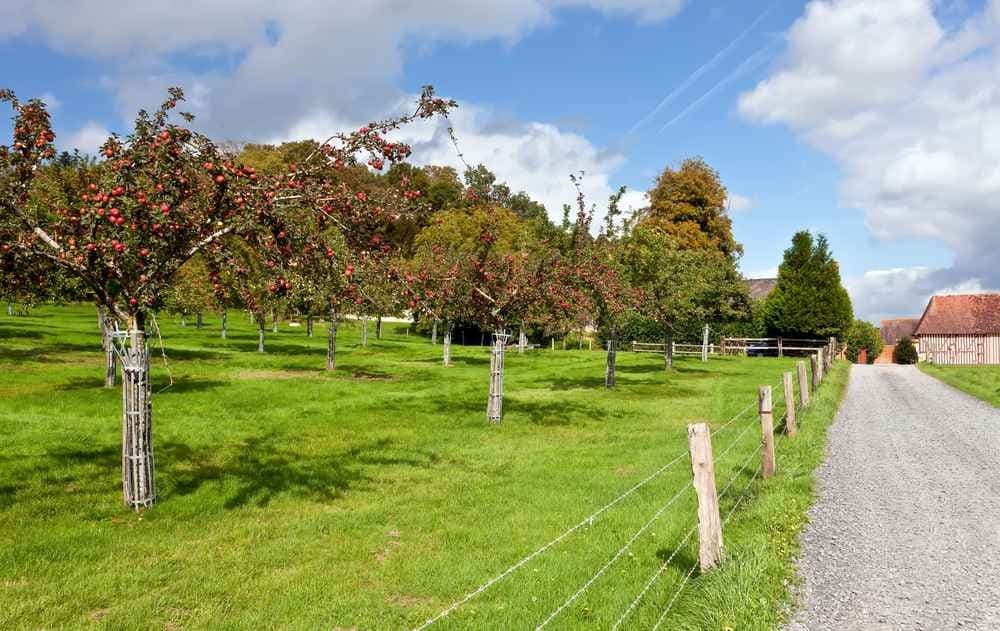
x,y
905,533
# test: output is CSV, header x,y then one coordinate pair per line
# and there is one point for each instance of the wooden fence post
x,y
814,360
803,383
722,347
709,521
767,433
791,428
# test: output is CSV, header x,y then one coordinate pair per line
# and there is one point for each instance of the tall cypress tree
x,y
809,299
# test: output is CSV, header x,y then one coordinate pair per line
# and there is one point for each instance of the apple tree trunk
x,y
199,320
378,328
309,326
225,323
260,335
364,331
434,332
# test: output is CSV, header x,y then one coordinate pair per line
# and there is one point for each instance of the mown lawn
x,y
376,496
979,381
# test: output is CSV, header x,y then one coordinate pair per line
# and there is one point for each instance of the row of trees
x,y
168,219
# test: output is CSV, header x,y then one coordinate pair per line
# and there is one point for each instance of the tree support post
x,y
791,428
800,366
709,520
767,433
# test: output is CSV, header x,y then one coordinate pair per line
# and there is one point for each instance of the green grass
x,y
375,496
980,381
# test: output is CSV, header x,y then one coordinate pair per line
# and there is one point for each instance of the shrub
x,y
905,352
860,335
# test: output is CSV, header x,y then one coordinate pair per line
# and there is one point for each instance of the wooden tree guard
x,y
668,352
260,335
364,330
309,326
767,433
225,323
709,520
522,340
494,407
803,383
434,332
108,344
704,344
274,322
609,371
138,469
791,427
781,347
331,342
448,326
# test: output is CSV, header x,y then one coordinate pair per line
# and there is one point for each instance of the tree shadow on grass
x,y
18,333
159,387
250,473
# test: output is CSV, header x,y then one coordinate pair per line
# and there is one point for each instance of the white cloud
x,y
88,139
306,69
910,110
739,203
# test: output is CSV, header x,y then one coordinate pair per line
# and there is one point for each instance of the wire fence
x,y
738,499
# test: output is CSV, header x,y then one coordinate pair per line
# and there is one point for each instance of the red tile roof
x,y
897,328
969,314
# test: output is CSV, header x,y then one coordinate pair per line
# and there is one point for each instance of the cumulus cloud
x,y
910,110
299,68
88,139
739,203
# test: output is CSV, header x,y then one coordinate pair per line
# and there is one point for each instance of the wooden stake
x,y
803,383
767,433
814,360
709,521
791,428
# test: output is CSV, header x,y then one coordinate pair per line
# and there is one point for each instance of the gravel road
x,y
905,533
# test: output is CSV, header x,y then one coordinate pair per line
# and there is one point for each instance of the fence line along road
x,y
705,491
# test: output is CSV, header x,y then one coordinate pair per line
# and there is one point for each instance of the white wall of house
x,y
959,349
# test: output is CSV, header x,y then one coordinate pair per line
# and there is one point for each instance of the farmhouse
x,y
961,329
892,331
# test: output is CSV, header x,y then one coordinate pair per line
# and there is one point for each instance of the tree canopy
x,y
809,299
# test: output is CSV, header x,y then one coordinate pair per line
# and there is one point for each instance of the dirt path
x,y
905,533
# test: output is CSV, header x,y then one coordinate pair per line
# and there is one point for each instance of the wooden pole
x,y
767,433
814,360
803,383
791,428
709,521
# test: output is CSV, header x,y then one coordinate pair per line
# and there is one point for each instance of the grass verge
x,y
375,496
982,382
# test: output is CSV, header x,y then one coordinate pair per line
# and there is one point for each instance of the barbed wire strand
x,y
743,495
673,598
611,561
587,520
513,568
652,580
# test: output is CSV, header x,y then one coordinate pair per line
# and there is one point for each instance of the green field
x,y
376,496
979,381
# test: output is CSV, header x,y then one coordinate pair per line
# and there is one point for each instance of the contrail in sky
x,y
708,65
748,64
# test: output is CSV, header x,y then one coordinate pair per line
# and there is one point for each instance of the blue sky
x,y
841,116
